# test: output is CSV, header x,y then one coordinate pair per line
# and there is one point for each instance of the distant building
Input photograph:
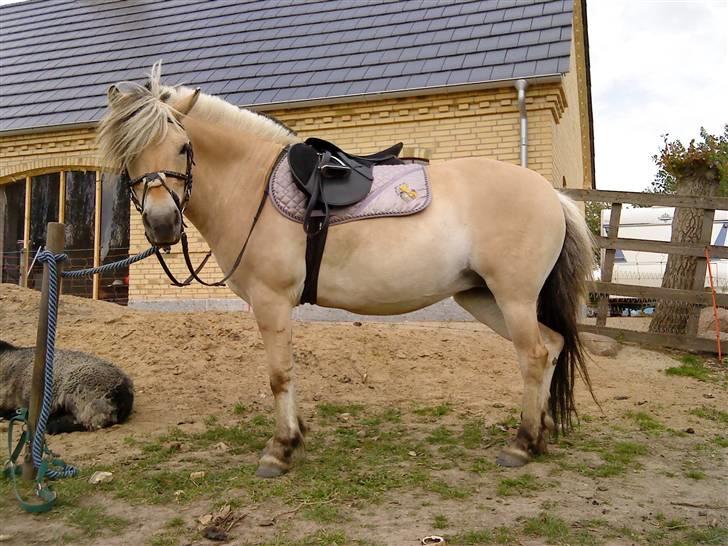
x,y
440,76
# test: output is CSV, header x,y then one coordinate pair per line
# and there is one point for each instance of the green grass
x,y
691,366
695,474
552,528
720,441
617,457
93,521
440,522
334,410
646,422
434,411
712,414
499,535
518,486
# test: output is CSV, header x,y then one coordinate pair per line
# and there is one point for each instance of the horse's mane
x,y
138,116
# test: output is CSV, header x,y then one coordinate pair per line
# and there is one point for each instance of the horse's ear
x,y
186,104
112,93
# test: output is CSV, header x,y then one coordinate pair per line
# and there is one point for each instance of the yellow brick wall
x,y
483,123
37,153
568,168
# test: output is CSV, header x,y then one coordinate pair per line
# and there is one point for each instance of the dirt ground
x,y
405,421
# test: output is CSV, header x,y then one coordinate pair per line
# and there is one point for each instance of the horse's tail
x,y
559,306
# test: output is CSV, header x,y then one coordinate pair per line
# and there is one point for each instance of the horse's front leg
x,y
274,323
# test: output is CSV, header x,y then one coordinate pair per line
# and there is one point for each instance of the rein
x,y
161,176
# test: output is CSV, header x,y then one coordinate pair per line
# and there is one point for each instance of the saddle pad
x,y
397,190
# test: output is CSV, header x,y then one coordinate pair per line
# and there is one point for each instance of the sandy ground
x,y
187,366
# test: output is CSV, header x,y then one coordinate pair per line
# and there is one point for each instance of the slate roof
x,y
57,57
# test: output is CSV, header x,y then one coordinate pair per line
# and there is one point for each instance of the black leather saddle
x,y
330,177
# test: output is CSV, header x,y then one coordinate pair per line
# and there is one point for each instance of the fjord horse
x,y
498,238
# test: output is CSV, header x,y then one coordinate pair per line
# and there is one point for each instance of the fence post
x,y
700,270
608,264
55,242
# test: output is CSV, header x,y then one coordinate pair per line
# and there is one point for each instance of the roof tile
x,y
267,51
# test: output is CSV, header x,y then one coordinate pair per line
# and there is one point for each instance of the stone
x,y
706,322
100,477
600,345
5,538
197,475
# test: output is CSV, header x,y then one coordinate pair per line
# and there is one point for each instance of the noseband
x,y
161,176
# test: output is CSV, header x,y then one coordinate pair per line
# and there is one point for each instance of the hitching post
x,y
55,243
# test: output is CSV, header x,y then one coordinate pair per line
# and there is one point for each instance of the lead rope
x,y
47,463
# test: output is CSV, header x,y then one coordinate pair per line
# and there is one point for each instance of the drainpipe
x,y
521,85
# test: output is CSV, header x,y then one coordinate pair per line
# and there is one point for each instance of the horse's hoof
x,y
512,457
270,471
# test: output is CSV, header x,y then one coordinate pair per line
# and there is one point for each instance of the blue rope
x,y
38,447
38,442
108,267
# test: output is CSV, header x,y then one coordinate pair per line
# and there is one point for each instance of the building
x,y
444,77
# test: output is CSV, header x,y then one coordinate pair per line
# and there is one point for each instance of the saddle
x,y
330,177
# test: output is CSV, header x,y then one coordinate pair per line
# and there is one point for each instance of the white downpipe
x,y
521,86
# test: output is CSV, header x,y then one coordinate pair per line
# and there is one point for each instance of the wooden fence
x,y
698,297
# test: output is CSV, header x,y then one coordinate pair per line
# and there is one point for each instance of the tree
x,y
701,168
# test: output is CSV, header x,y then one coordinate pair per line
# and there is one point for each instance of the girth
x,y
330,178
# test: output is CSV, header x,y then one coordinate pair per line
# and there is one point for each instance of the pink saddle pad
x,y
397,190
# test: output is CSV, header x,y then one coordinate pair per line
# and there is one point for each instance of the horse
x,y
498,238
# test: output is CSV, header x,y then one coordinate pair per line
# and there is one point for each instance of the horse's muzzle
x,y
162,229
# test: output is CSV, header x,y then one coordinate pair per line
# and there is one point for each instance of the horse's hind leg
x,y
538,348
274,323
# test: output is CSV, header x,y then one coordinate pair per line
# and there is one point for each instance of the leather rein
x,y
161,177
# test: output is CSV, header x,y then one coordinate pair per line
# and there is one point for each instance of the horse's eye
x,y
183,149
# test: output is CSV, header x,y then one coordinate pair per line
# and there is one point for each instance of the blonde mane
x,y
138,116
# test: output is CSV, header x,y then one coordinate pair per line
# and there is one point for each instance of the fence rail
x,y
694,300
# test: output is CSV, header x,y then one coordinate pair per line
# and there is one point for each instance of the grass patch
x,y
690,366
441,436
93,520
720,441
646,422
552,528
712,414
518,486
499,535
618,457
447,491
473,434
440,522
434,411
323,513
329,411
695,474
239,409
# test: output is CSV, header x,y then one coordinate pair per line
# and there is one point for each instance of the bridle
x,y
161,176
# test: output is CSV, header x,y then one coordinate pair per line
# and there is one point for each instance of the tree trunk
x,y
687,224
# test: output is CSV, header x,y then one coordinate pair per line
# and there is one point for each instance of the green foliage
x,y
593,212
676,161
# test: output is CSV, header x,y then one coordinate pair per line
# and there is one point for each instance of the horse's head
x,y
142,135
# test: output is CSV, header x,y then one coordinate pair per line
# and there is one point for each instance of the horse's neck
x,y
229,177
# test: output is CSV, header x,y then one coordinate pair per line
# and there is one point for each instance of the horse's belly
x,y
394,265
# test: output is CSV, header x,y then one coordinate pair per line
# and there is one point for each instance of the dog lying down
x,y
88,393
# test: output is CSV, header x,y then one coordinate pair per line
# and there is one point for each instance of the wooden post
x,y
700,269
55,242
97,235
608,264
25,258
62,197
